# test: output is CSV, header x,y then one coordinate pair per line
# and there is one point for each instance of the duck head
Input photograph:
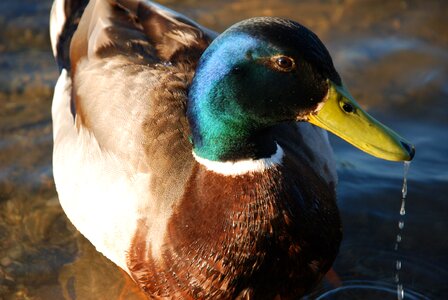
x,y
265,71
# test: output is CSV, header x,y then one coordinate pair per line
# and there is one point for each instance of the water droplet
x,y
404,189
403,208
404,193
398,265
400,292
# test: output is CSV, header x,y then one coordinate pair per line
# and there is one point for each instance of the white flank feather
x,y
99,193
57,21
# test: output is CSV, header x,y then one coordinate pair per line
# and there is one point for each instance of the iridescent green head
x,y
258,73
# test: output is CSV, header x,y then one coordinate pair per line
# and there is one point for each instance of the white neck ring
x,y
242,167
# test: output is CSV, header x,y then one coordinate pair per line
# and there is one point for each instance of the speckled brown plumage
x,y
255,233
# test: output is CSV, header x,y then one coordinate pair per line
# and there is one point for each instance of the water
x,y
362,289
358,289
393,57
404,193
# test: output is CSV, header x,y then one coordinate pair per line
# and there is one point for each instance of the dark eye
x,y
284,63
348,108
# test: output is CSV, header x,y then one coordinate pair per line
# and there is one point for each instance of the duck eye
x,y
348,107
284,63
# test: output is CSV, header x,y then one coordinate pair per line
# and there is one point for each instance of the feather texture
x,y
127,178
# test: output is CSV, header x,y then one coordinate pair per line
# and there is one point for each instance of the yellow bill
x,y
342,116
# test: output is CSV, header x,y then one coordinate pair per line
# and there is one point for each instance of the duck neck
x,y
221,131
225,145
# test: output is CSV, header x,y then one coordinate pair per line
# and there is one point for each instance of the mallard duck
x,y
191,160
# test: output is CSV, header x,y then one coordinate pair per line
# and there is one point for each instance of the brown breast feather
x,y
261,235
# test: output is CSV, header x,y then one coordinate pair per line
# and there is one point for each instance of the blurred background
x,y
393,57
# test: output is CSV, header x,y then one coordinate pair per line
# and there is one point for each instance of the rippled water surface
x,y
392,55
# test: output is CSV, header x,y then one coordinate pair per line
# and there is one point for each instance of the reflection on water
x,y
358,289
391,54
